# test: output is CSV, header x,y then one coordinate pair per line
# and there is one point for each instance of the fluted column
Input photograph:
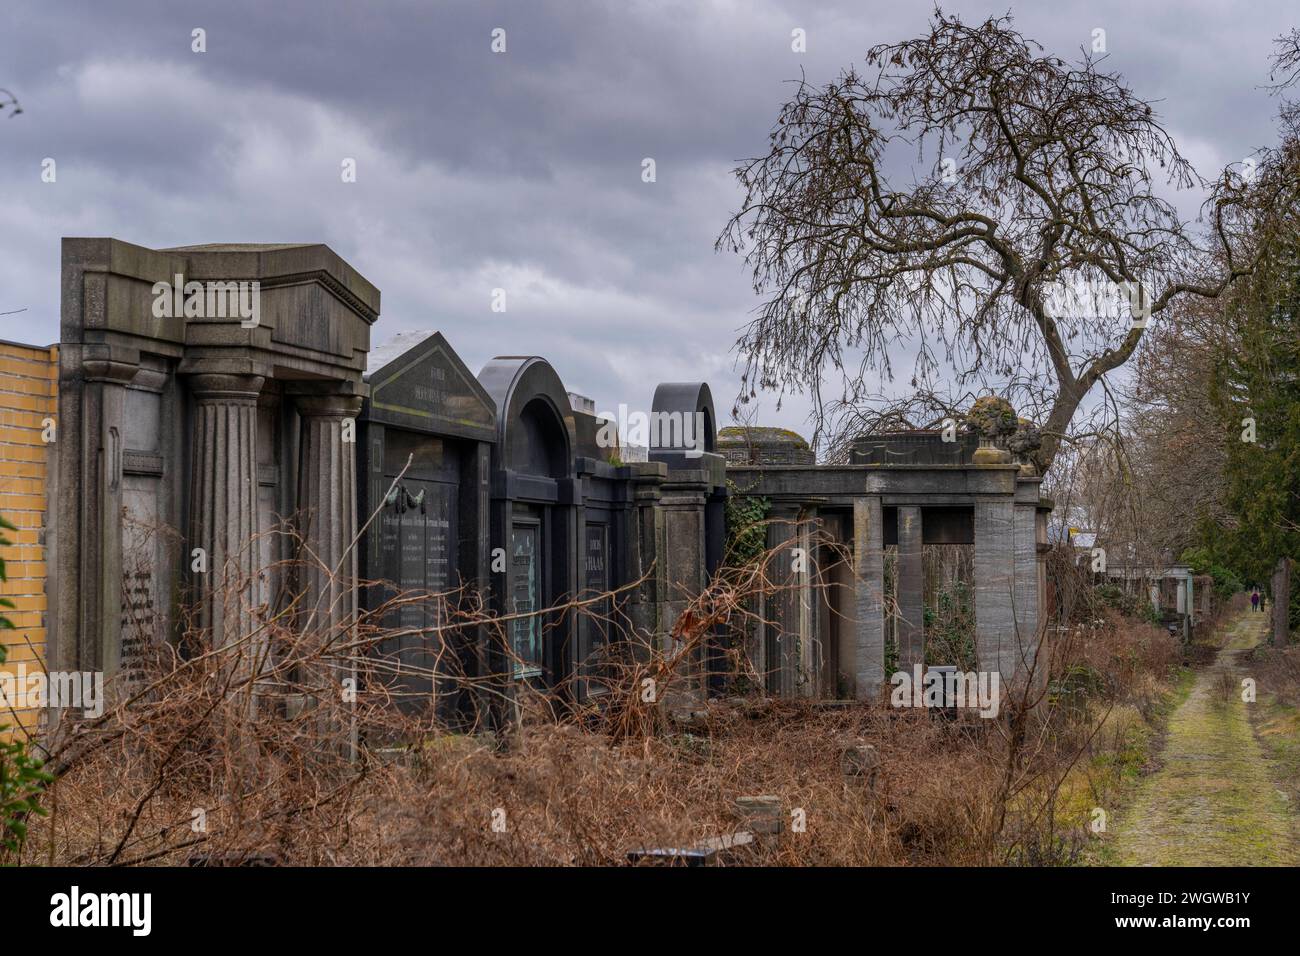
x,y
327,504
223,501
327,509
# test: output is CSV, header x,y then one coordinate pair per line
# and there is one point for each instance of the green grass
x,y
1214,801
1111,777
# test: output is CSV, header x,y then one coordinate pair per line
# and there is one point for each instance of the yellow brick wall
x,y
28,395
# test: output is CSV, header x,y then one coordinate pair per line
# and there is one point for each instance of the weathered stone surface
x,y
868,659
742,445
911,589
1028,586
418,383
910,490
916,447
782,633
223,502
761,814
859,762
128,357
994,572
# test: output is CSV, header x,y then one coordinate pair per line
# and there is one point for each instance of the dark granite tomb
x,y
425,437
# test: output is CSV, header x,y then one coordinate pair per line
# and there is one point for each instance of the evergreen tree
x,y
1257,388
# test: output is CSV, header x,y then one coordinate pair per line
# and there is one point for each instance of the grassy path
x,y
1213,802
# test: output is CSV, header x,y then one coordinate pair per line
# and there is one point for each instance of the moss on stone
x,y
757,434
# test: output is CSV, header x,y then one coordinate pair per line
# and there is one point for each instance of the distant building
x,y
1173,591
1086,540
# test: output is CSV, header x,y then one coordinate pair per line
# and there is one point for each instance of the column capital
x,y
109,363
328,406
226,389
109,370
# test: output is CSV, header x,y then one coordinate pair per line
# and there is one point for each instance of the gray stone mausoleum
x,y
825,636
211,397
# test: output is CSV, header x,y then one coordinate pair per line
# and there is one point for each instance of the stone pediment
x,y
418,382
285,264
312,303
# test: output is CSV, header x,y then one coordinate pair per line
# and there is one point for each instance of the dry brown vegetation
x,y
215,760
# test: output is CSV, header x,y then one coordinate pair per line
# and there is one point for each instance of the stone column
x,y
223,501
994,572
98,549
475,502
810,635
718,666
911,590
1027,609
561,643
868,665
646,559
327,512
783,618
327,504
683,501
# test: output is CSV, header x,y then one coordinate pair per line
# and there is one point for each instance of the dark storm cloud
x,y
478,171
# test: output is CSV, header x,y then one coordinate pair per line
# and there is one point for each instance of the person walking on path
x,y
1254,600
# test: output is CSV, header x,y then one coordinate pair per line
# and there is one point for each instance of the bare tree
x,y
1286,60
1040,188
9,102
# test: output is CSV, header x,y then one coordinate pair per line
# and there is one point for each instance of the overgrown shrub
x,y
746,530
22,781
950,627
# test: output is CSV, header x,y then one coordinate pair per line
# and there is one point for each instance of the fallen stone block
x,y
761,813
859,764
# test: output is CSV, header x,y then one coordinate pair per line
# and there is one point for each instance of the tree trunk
x,y
1058,422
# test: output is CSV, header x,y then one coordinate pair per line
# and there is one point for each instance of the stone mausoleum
x,y
222,407
825,634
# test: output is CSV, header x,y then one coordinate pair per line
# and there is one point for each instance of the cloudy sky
x,y
519,170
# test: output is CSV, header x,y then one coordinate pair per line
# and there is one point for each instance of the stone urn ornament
x,y
1024,441
994,420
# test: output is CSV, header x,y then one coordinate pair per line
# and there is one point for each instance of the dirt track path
x,y
1213,802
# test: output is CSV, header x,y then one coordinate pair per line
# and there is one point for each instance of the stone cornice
x,y
332,284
